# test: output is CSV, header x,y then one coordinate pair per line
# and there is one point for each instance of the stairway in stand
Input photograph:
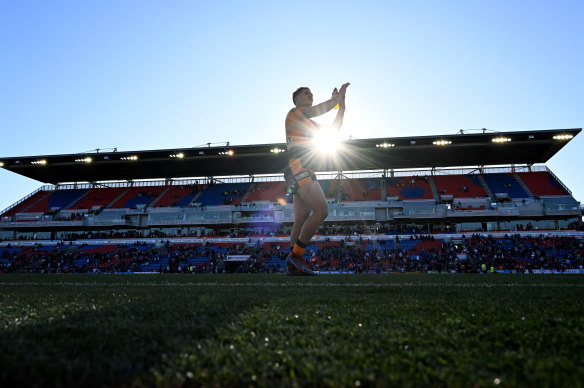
x,y
522,184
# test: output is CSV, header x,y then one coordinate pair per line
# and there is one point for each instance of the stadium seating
x,y
40,206
504,183
98,198
27,203
412,254
267,191
373,183
330,187
89,249
358,190
409,188
137,196
223,194
542,183
426,245
176,196
407,244
63,198
374,187
459,186
59,199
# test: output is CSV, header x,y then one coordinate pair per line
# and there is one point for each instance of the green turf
x,y
272,330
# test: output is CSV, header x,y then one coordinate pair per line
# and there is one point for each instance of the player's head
x,y
302,96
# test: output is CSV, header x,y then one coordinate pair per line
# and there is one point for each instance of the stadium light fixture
x,y
384,145
442,142
41,162
227,153
130,157
563,137
501,139
277,150
180,155
84,160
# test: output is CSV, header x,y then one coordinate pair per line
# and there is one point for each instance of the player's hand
x,y
335,93
343,89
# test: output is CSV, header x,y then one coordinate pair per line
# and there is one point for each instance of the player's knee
x,y
322,211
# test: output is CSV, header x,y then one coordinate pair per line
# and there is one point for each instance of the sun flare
x,y
327,140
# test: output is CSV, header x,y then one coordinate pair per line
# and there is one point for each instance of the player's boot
x,y
298,265
292,271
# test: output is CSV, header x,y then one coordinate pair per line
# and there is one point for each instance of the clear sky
x,y
136,75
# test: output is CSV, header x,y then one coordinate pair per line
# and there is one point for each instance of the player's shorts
x,y
297,175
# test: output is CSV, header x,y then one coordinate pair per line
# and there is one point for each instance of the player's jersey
x,y
299,130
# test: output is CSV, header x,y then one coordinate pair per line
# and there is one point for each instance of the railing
x,y
40,223
562,206
508,211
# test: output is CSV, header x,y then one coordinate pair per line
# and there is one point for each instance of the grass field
x,y
273,330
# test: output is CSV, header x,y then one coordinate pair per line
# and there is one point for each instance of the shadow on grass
x,y
119,341
330,331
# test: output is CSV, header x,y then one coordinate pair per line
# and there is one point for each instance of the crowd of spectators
x,y
470,254
275,230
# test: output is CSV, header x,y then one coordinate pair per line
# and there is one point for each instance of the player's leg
x,y
312,197
308,211
315,200
301,214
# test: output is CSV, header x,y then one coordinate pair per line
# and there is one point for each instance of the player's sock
x,y
299,248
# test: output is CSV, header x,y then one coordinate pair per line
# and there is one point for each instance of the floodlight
x,y
501,139
384,145
563,137
441,142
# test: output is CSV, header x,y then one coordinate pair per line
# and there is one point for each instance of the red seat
x,y
459,186
542,183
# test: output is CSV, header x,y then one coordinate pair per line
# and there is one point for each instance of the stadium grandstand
x,y
430,203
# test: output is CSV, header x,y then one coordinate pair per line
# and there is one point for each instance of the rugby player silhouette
x,y
310,206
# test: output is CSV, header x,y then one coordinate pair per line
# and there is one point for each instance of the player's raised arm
x,y
323,107
340,115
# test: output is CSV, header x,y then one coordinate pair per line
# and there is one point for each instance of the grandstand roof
x,y
463,149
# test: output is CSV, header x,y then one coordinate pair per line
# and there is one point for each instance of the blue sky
x,y
81,75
